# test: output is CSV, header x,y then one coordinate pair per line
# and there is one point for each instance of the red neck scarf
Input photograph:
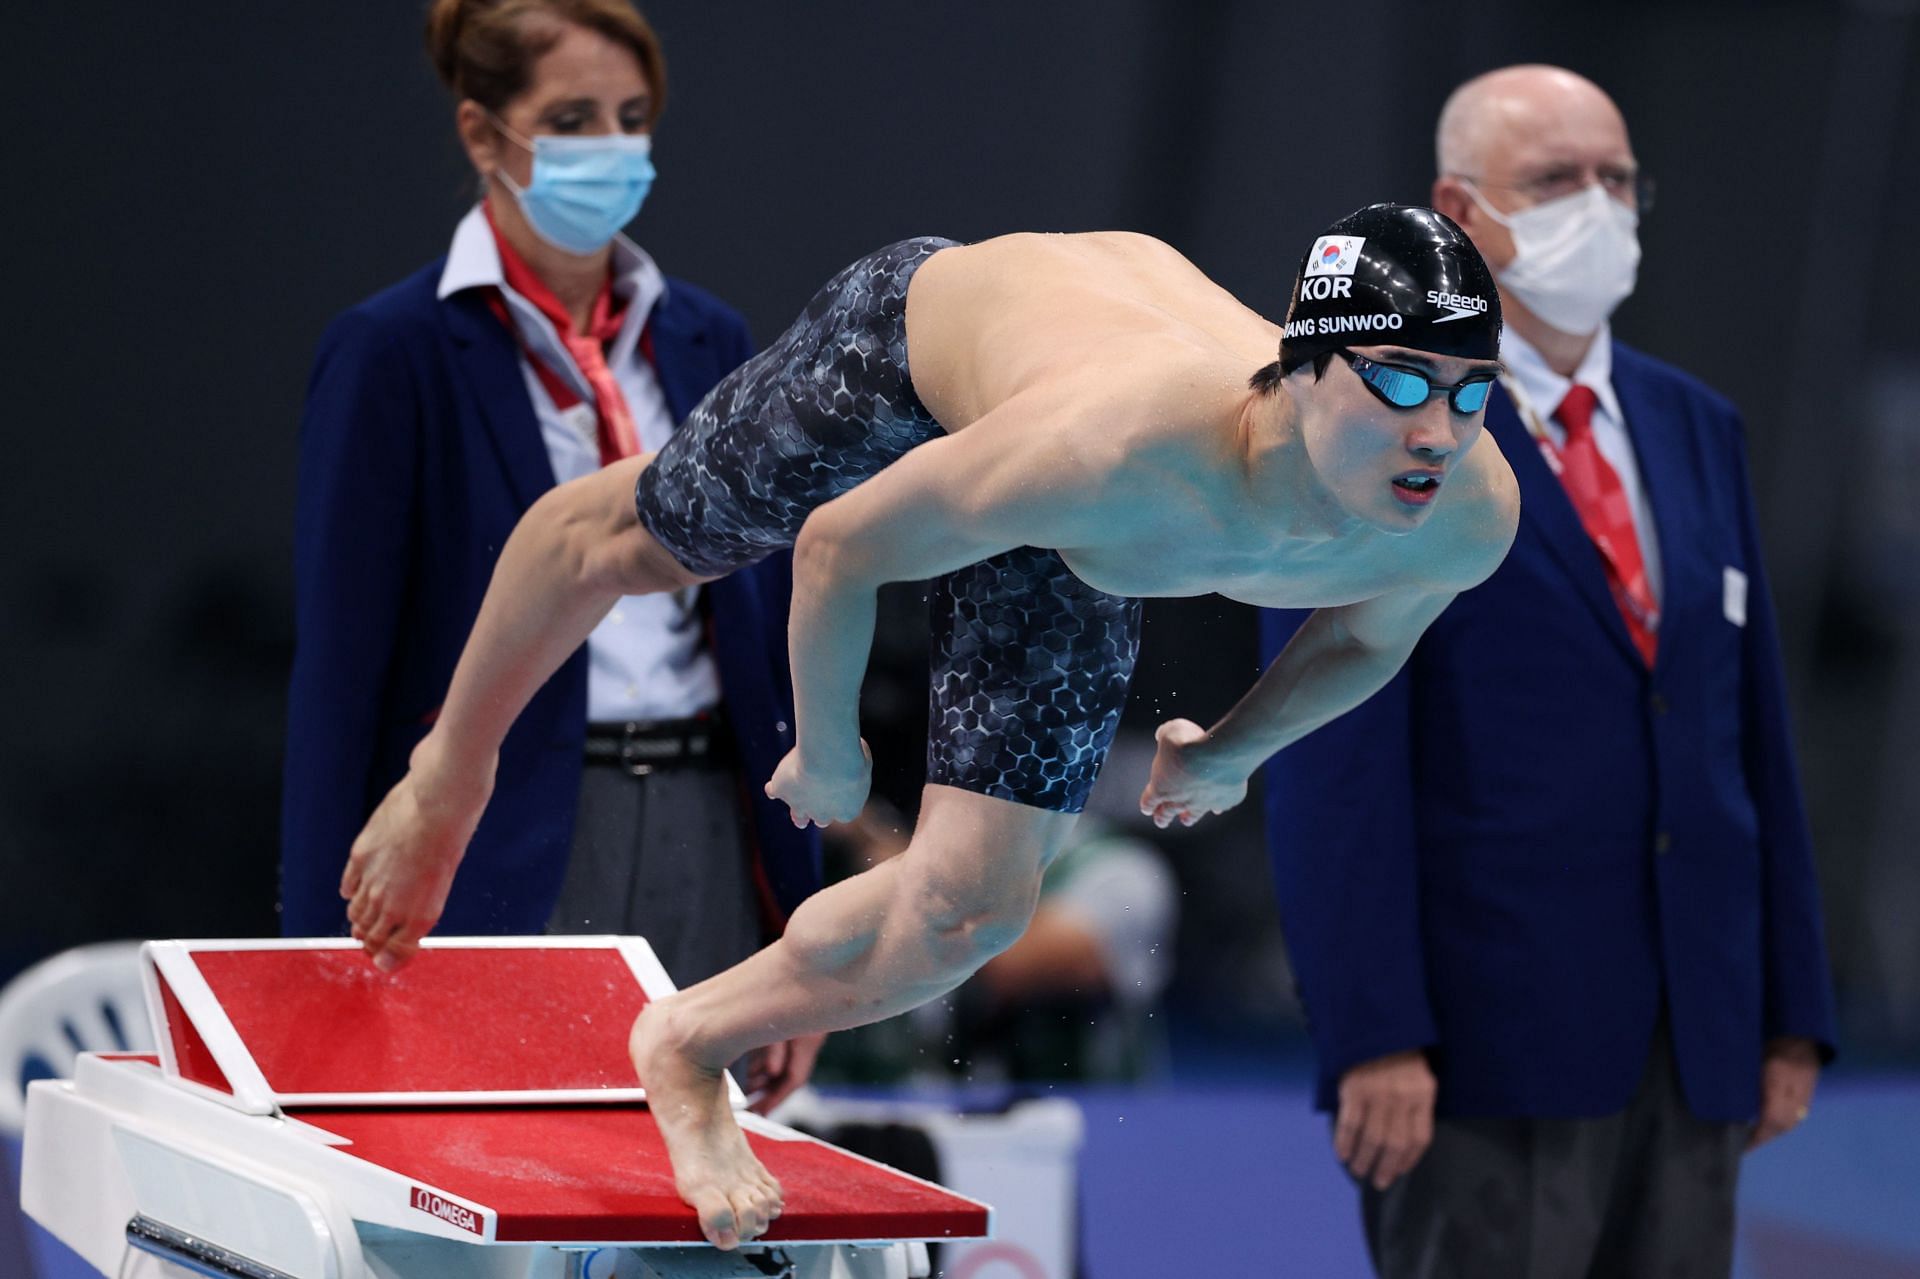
x,y
615,428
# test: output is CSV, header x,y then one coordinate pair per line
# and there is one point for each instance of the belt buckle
x,y
642,755
629,757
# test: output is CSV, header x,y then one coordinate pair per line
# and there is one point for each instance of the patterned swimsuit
x,y
1030,664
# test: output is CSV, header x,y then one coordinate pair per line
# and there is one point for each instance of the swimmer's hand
x,y
402,865
1185,784
821,795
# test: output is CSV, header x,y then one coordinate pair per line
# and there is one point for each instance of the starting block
x,y
474,1114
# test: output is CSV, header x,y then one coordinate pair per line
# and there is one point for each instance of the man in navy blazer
x,y
420,399
1552,905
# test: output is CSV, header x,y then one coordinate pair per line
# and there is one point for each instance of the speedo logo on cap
x,y
1334,255
1458,306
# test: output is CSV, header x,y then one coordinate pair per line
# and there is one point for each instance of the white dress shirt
x,y
648,658
1541,390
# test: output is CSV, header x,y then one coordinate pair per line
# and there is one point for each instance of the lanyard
x,y
1536,426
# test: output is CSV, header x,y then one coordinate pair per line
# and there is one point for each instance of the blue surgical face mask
x,y
584,189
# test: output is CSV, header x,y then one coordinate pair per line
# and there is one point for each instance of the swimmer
x,y
1051,427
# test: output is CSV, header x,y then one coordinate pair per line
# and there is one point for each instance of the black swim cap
x,y
1392,275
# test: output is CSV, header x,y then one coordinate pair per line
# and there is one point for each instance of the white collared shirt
x,y
1542,390
648,658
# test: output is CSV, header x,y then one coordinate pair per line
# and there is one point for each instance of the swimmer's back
x,y
986,321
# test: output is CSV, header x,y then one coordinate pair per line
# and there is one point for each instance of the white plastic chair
x,y
88,999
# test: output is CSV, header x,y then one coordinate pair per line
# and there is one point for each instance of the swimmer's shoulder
x,y
1071,249
1158,416
1132,244
1473,531
1069,241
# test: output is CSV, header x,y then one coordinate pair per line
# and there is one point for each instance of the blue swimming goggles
x,y
1406,388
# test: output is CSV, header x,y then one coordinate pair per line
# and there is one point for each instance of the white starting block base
x,y
149,1175
1025,1160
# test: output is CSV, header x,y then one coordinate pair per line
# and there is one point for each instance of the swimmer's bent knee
x,y
967,926
925,929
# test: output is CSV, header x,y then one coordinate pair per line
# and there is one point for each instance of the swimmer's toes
x,y
718,1220
749,1210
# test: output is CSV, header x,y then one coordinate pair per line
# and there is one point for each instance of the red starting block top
x,y
598,1174
468,1021
482,1091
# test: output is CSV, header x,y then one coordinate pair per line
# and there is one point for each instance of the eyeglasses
x,y
1629,186
1406,388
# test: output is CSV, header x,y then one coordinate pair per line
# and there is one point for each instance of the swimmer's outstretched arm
x,y
1338,659
569,560
950,502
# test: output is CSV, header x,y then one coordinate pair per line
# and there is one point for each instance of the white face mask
x,y
1574,258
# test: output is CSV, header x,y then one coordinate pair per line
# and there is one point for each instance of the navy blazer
x,y
418,453
1527,843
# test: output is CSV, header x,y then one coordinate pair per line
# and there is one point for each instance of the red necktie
x,y
613,421
1608,518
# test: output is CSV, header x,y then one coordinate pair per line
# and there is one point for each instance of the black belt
x,y
641,746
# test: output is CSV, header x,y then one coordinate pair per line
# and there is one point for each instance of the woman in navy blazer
x,y
439,410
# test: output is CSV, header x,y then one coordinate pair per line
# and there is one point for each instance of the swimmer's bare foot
x,y
714,1169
